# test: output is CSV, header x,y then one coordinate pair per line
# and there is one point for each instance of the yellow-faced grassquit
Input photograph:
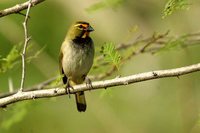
x,y
76,58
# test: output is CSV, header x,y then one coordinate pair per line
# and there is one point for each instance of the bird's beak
x,y
90,29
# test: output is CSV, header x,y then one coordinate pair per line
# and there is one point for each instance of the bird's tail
x,y
80,101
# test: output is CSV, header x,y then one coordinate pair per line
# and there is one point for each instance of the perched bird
x,y
76,58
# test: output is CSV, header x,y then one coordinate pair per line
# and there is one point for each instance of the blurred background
x,y
169,105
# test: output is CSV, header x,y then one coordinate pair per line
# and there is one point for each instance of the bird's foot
x,y
67,89
88,83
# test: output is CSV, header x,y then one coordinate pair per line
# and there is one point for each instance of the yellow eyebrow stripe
x,y
84,25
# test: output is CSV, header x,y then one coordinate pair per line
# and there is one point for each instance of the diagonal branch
x,y
100,84
19,7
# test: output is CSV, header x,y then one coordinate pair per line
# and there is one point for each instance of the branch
x,y
159,41
152,44
26,40
100,84
19,7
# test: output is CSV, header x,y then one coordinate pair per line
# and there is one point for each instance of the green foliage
x,y
111,55
173,5
13,57
105,4
11,60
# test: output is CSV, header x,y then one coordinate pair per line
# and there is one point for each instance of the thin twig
x,y
19,7
151,45
155,38
177,72
143,42
26,40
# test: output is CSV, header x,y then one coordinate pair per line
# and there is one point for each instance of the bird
x,y
76,59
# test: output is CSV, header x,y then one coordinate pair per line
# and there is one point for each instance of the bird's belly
x,y
77,64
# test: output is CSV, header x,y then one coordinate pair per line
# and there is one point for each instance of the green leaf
x,y
111,55
11,60
173,5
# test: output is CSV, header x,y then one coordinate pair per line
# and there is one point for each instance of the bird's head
x,y
80,29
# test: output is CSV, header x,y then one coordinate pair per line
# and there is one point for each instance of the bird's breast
x,y
77,60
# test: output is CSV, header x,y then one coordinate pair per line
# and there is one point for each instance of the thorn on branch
x,y
154,74
55,91
28,39
33,97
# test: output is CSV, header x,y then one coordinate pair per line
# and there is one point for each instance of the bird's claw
x,y
67,88
88,83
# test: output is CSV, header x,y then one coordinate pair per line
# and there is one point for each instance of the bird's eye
x,y
80,26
